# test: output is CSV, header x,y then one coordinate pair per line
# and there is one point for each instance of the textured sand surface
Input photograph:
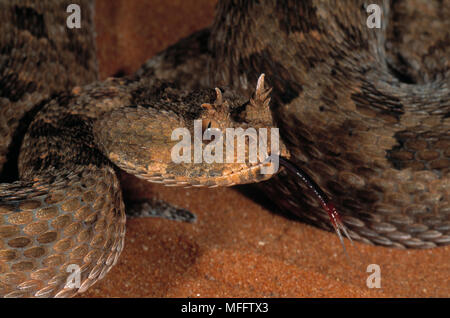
x,y
236,248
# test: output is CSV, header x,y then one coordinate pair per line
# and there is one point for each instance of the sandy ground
x,y
236,248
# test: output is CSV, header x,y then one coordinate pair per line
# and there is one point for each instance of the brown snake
x,y
366,112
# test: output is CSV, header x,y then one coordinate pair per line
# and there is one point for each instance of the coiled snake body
x,y
364,111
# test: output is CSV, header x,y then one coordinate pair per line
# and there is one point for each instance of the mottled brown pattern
x,y
67,209
352,109
368,120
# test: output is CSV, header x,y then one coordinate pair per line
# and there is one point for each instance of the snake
x,y
363,110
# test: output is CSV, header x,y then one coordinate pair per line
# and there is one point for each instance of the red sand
x,y
236,248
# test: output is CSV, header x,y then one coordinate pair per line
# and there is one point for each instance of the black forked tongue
x,y
325,202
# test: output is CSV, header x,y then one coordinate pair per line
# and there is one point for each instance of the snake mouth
x,y
211,174
245,173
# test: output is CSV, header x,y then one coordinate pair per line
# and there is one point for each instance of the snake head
x,y
203,138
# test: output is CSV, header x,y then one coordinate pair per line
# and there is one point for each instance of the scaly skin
x,y
67,208
363,111
363,115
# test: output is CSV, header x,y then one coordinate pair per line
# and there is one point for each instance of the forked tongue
x,y
326,203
